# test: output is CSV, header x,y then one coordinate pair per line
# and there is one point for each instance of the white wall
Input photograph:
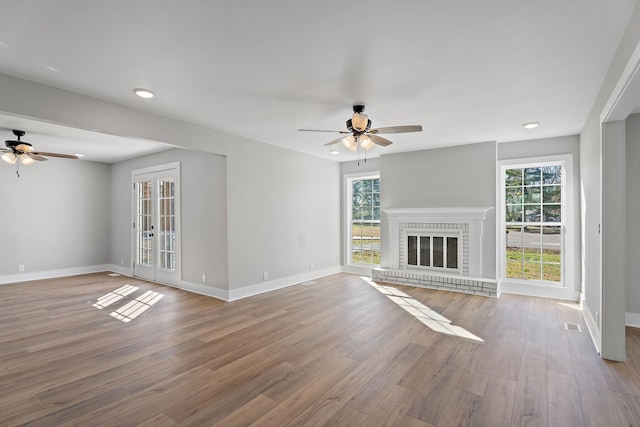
x,y
203,197
460,176
55,218
554,147
633,214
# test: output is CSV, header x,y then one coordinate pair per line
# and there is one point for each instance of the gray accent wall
x,y
54,217
460,176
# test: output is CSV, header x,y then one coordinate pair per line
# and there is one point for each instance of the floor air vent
x,y
113,274
310,282
572,327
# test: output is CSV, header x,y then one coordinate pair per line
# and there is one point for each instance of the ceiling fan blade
x,y
63,156
25,148
334,141
37,157
380,140
397,129
317,130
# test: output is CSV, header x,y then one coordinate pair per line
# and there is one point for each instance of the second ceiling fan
x,y
359,132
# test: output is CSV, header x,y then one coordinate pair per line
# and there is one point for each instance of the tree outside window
x,y
533,221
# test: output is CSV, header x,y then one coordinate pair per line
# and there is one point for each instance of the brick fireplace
x,y
437,248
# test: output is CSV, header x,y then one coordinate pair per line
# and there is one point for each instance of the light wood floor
x,y
337,352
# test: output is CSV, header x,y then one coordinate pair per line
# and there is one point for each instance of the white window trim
x,y
540,288
348,191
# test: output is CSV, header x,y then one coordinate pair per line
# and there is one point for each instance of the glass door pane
x,y
166,231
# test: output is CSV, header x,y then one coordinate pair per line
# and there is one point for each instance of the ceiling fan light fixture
x,y
359,121
26,160
366,142
350,142
143,93
9,157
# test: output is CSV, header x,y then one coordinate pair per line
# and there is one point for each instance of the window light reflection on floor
x,y
114,296
135,308
432,319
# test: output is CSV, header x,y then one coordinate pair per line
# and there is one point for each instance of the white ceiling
x,y
467,70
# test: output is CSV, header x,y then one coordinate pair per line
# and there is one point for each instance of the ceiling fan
x,y
359,132
25,152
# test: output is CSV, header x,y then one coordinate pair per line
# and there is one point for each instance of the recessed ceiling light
x,y
143,93
79,155
52,68
531,125
334,152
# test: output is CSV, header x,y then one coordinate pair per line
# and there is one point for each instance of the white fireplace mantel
x,y
472,216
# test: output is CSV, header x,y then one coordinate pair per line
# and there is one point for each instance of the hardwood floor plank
x,y
600,406
496,406
248,413
564,404
530,405
369,397
394,408
476,373
535,339
507,363
558,352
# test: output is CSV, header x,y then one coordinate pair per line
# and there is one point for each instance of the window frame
x,y
568,255
348,244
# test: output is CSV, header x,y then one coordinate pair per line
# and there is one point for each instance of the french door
x,y
156,230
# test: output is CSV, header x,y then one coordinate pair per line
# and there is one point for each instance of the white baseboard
x,y
539,291
593,327
50,274
121,270
205,290
272,285
632,319
357,269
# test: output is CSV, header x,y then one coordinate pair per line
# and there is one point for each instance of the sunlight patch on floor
x,y
135,308
573,306
432,319
114,296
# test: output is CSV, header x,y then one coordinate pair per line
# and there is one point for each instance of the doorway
x,y
156,223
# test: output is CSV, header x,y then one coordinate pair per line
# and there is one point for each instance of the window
x,y
364,220
534,217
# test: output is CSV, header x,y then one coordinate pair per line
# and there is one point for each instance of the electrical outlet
x,y
265,276
121,261
20,268
204,278
310,266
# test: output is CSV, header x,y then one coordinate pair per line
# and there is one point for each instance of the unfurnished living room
x,y
410,213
